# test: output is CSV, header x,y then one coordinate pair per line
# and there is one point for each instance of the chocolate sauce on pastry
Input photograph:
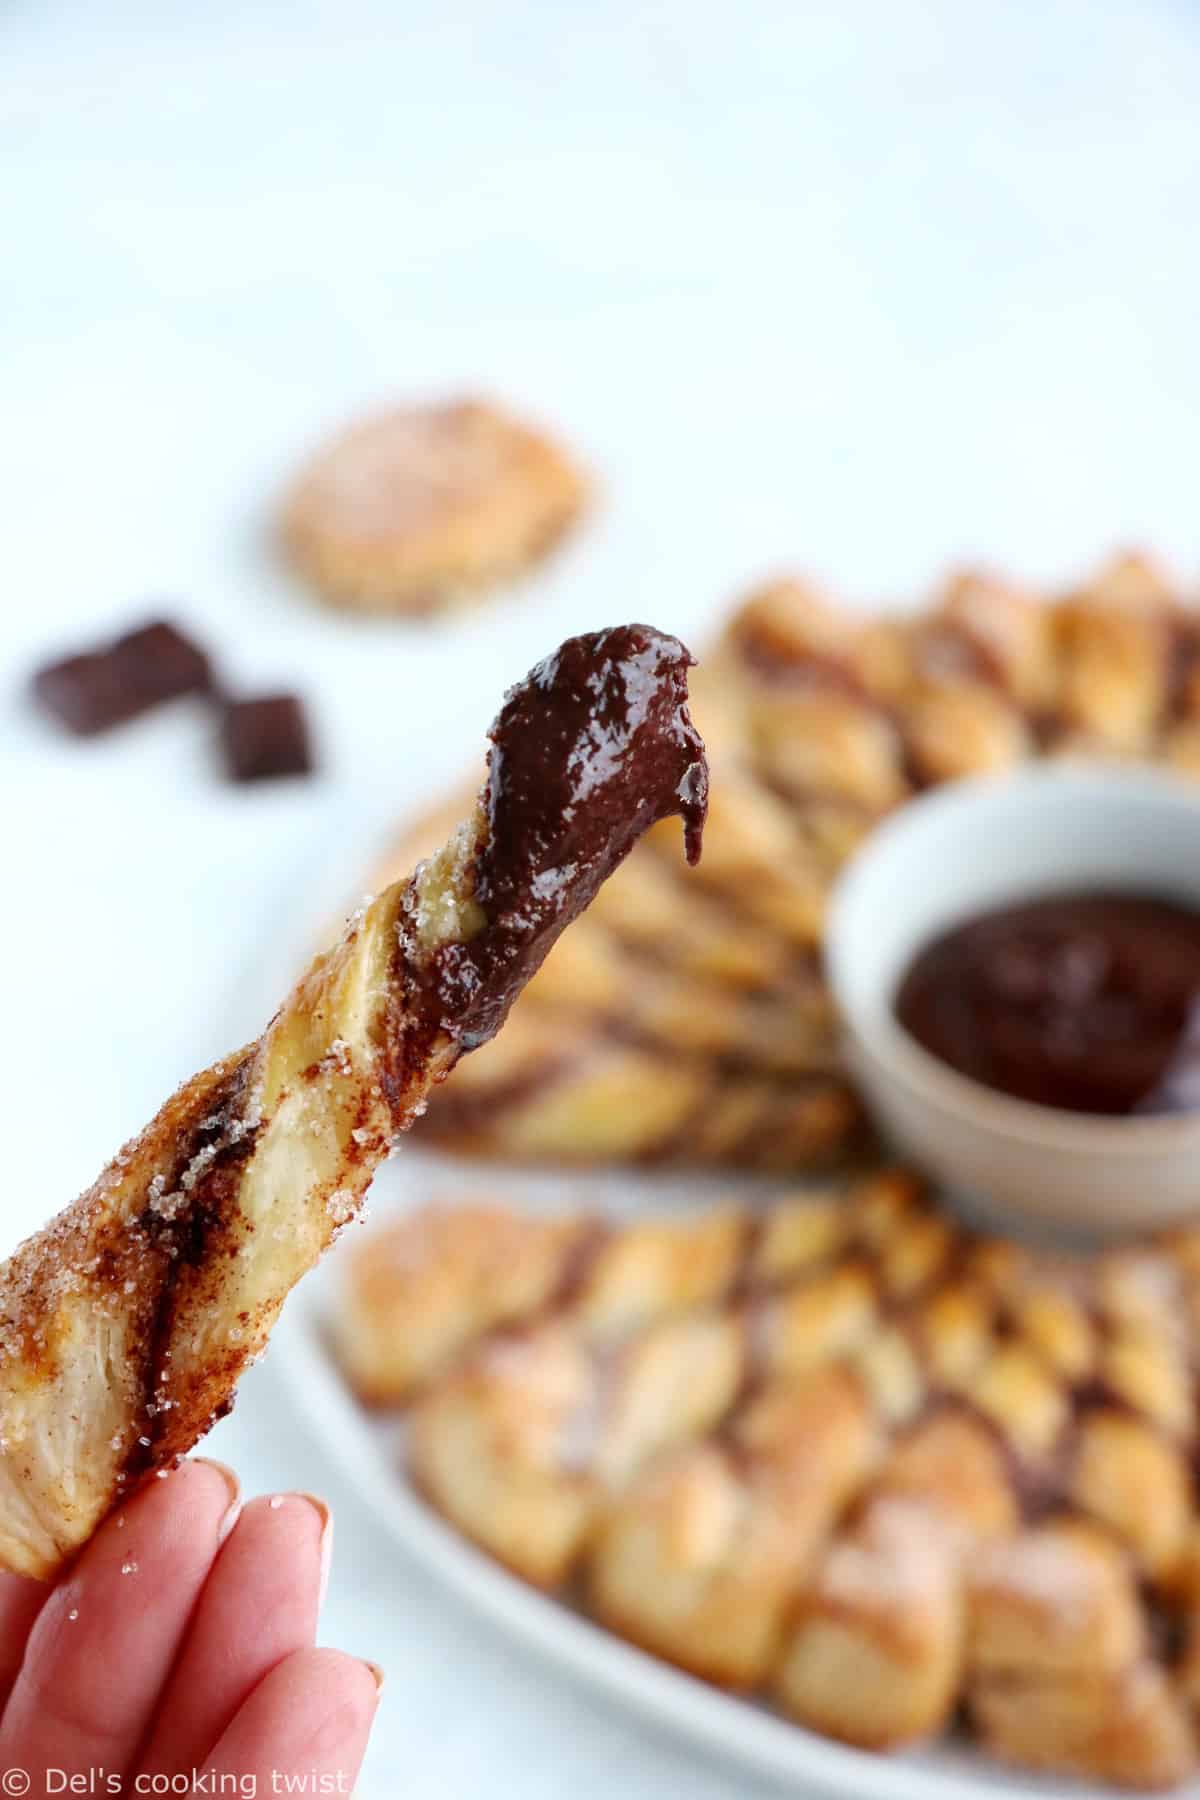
x,y
590,750
1090,1002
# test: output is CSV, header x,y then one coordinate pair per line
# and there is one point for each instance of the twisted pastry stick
x,y
126,1323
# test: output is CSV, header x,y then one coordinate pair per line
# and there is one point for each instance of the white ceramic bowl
x,y
964,850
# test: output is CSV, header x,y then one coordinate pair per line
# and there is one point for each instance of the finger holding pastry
x,y
182,1632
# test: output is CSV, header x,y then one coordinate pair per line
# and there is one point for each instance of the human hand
x,y
180,1644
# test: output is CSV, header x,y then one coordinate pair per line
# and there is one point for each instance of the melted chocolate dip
x,y
590,750
1090,1002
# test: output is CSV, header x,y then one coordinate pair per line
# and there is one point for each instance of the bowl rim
x,y
879,1033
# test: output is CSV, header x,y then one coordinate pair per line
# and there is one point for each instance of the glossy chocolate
x,y
1088,1002
591,749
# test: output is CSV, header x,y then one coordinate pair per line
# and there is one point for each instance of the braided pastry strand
x,y
126,1323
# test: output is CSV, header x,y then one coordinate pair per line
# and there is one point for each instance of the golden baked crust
x,y
521,1444
839,1451
690,1022
874,1653
450,1276
126,1323
424,506
698,1557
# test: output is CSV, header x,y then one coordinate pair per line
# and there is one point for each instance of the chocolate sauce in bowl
x,y
1087,1001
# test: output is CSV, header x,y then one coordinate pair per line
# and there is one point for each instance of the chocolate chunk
x,y
157,662
85,693
266,737
98,689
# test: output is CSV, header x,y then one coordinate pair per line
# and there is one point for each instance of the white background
x,y
860,287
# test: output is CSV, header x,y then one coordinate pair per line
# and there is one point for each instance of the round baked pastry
x,y
426,506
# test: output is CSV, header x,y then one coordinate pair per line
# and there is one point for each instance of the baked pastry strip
x,y
1060,1674
701,1558
529,1437
521,1443
125,1323
421,1288
698,1559
873,1652
875,1647
564,1092
415,1293
526,1440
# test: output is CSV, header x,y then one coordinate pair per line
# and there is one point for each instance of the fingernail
x,y
321,1508
377,1673
233,1511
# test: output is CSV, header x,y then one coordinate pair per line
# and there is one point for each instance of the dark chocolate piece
x,y
266,737
157,663
98,689
590,751
86,694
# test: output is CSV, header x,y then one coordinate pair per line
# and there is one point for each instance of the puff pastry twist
x,y
126,1323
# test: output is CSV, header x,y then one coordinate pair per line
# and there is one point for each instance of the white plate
x,y
369,1453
